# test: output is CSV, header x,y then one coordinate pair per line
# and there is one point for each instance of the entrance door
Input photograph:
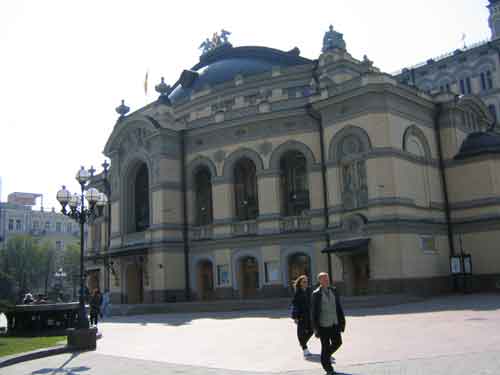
x,y
93,280
357,274
298,264
134,290
249,277
205,280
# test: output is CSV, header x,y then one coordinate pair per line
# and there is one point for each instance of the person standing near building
x,y
328,320
95,306
301,312
105,304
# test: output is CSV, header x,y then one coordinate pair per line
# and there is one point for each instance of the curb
x,y
35,354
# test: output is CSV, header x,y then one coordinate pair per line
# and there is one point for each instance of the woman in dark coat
x,y
301,312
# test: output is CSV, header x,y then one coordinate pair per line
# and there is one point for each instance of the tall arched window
x,y
294,183
203,196
353,171
141,199
415,143
245,190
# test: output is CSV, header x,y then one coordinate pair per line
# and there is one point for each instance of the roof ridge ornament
x,y
164,90
216,41
122,110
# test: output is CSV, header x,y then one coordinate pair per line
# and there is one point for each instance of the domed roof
x,y
479,143
224,63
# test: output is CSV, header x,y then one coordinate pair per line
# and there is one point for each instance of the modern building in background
x,y
259,165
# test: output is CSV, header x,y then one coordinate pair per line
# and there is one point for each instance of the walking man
x,y
328,320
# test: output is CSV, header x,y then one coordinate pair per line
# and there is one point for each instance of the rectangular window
x,y
483,81
468,85
36,225
428,244
462,87
272,271
58,227
489,80
19,226
11,225
47,225
222,274
69,228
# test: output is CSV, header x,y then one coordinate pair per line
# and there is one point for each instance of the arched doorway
x,y
298,264
205,280
249,277
134,291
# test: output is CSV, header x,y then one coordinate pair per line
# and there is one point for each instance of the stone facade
x,y
301,156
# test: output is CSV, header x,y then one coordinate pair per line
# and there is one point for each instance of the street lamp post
x,y
82,213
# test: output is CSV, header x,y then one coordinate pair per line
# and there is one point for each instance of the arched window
x,y
486,80
141,199
294,184
245,190
353,171
203,196
415,143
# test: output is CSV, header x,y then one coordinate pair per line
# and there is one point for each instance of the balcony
x,y
295,224
244,228
204,232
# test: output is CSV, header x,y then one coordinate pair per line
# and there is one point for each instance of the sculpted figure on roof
x,y
333,40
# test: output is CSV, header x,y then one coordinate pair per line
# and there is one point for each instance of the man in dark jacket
x,y
328,320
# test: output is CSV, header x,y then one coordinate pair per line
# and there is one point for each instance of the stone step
x,y
255,304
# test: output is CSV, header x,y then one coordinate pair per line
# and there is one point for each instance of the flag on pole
x,y
146,83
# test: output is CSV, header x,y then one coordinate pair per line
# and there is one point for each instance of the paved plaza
x,y
447,335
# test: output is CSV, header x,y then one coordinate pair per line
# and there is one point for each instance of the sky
x,y
65,65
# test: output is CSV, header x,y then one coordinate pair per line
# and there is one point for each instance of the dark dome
x,y
224,63
479,143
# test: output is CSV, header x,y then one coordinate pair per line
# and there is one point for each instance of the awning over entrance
x,y
359,245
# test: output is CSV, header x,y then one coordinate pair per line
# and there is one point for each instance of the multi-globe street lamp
x,y
82,212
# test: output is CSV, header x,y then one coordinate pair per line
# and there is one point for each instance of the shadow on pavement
x,y
474,302
179,319
63,369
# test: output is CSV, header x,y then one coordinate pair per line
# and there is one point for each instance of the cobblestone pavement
x,y
450,335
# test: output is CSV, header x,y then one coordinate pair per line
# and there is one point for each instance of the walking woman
x,y
301,312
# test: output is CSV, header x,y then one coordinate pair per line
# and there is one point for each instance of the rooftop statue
x,y
333,40
217,40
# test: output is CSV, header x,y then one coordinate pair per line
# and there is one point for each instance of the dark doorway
x,y
134,290
298,264
205,280
249,277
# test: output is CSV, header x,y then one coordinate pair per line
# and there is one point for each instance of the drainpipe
x,y
444,183
185,234
317,118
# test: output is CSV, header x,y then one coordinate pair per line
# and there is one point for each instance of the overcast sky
x,y
65,65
